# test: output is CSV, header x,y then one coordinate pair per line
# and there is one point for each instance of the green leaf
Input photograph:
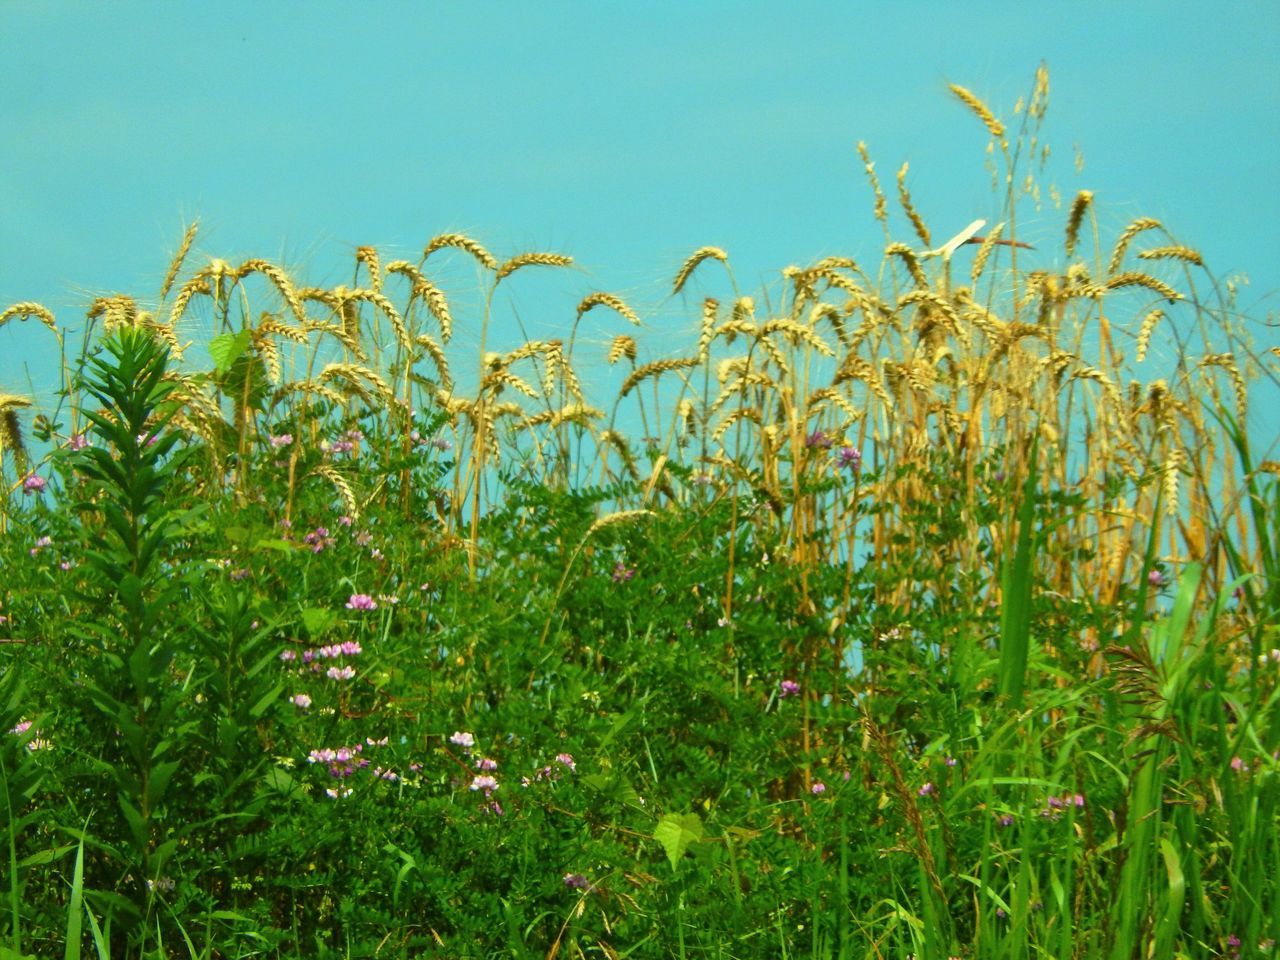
x,y
226,348
268,698
317,620
677,832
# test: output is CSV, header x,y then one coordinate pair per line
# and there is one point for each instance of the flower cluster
x,y
342,762
280,440
552,771
849,458
318,539
788,688
362,601
37,742
33,483
622,573
40,544
1053,806
349,443
332,651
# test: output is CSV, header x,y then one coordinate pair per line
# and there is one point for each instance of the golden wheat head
x,y
979,108
691,264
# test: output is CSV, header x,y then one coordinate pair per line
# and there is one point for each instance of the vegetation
x,y
927,612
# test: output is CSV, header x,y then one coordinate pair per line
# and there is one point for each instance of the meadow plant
x,y
925,609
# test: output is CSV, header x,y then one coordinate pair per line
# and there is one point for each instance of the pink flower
x,y
818,788
1156,579
77,441
281,440
788,688
461,738
341,673
927,789
566,760
300,700
848,458
484,763
484,782
361,601
33,483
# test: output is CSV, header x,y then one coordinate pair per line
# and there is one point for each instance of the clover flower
x,y
484,782
33,483
463,739
849,458
788,688
361,601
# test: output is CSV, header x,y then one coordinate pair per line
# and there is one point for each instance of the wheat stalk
x,y
881,210
176,263
622,346
429,293
341,485
1078,207
11,426
593,300
369,257
904,197
352,374
796,332
531,260
278,279
460,242
908,256
989,243
1228,362
347,297
1135,279
437,355
1127,235
1144,332
1173,252
982,111
612,519
695,258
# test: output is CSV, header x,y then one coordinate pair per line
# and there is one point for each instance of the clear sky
x,y
625,134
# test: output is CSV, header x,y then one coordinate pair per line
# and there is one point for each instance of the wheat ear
x,y
27,309
982,111
460,242
176,263
695,258
532,260
904,197
593,300
1076,217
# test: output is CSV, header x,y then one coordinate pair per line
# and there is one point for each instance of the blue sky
x,y
626,135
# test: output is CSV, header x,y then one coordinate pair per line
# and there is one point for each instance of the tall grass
x,y
929,608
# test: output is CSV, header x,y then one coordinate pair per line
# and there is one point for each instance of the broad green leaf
x,y
226,348
677,832
318,620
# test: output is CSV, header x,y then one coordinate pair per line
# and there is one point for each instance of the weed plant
x,y
931,612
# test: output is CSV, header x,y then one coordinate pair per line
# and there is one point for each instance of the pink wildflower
x,y
361,601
